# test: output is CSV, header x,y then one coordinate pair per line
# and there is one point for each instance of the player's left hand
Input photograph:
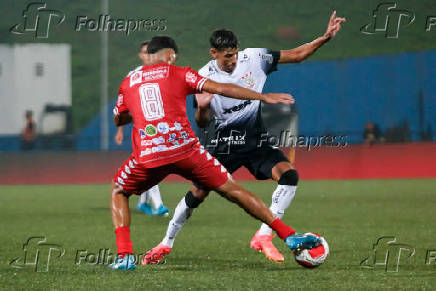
x,y
204,99
274,98
334,25
119,136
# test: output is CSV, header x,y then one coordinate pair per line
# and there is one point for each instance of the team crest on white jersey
x,y
248,80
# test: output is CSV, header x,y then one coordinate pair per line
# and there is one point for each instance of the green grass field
x,y
212,250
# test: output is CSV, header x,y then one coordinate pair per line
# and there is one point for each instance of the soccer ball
x,y
312,258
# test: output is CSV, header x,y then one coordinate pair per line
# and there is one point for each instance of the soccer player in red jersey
x,y
150,202
153,98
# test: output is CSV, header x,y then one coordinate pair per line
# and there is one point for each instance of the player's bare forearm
x,y
230,90
202,116
234,91
123,119
302,52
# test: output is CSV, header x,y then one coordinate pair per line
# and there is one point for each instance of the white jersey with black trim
x,y
252,68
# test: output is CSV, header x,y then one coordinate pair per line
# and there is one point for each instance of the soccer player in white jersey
x,y
150,202
239,128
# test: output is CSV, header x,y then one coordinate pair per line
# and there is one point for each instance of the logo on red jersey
x,y
190,78
158,140
151,130
163,127
138,77
146,142
142,133
177,126
158,73
135,78
145,152
120,100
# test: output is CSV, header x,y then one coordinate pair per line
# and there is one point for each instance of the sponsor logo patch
x,y
191,78
158,140
268,58
135,78
159,148
142,133
146,142
163,127
172,137
177,126
183,134
158,73
151,130
146,152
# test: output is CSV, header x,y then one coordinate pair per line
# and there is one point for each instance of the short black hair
x,y
143,44
221,39
161,42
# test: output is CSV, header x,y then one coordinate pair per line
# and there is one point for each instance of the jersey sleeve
x,y
204,71
120,106
266,58
194,81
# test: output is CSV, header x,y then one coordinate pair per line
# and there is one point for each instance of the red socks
x,y
124,244
282,229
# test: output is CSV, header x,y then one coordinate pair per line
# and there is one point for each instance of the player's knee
x,y
289,177
199,193
192,201
117,190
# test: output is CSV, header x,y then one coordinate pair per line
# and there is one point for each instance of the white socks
x,y
281,199
181,214
152,197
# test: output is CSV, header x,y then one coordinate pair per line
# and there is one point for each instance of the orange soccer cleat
x,y
263,243
156,255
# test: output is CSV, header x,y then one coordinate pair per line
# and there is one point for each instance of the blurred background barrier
x,y
59,78
396,92
413,160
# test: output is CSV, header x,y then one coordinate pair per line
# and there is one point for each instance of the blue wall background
x,y
336,97
340,96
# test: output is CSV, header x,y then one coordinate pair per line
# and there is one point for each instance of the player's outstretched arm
x,y
234,91
303,52
123,118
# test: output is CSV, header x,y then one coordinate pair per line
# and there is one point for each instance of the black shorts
x,y
258,161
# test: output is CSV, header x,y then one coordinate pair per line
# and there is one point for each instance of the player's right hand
x,y
274,98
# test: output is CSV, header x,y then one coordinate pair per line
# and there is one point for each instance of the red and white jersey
x,y
155,96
